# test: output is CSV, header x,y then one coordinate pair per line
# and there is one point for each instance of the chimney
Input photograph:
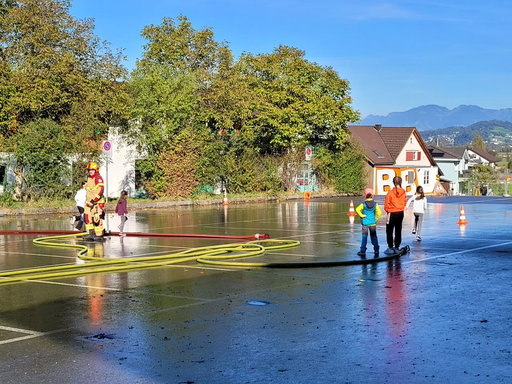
x,y
378,127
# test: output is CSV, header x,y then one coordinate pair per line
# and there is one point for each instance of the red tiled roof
x,y
396,138
388,141
371,141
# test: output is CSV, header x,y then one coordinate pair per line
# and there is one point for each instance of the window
x,y
379,155
426,177
412,156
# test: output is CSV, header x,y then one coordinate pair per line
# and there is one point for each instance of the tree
x,y
171,90
247,116
41,165
55,68
483,174
298,103
478,142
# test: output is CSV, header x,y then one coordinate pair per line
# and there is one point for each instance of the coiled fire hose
x,y
219,255
111,265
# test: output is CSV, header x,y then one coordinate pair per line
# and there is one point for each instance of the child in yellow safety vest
x,y
369,212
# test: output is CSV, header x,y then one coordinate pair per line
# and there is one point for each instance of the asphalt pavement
x,y
439,314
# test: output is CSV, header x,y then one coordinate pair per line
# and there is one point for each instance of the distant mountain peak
x,y
432,116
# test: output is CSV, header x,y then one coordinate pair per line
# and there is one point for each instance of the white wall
x,y
121,168
412,145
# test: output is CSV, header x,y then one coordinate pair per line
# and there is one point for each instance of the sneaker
x,y
397,249
389,251
413,231
72,220
362,254
418,238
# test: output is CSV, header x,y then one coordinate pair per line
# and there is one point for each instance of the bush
x,y
344,172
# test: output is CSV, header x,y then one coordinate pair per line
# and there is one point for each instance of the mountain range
x,y
428,117
496,134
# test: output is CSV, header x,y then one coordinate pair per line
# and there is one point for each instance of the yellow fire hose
x,y
207,255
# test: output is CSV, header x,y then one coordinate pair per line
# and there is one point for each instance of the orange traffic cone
x,y
225,200
351,210
462,217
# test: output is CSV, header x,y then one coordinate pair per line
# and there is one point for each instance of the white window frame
x,y
426,177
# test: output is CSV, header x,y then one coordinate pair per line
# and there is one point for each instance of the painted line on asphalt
x,y
29,334
458,252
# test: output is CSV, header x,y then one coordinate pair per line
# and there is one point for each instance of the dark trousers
x,y
394,224
80,220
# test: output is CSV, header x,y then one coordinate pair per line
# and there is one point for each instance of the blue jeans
x,y
373,238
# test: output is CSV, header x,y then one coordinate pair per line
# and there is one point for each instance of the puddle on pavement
x,y
259,303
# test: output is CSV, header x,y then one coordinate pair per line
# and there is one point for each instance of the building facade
x,y
396,151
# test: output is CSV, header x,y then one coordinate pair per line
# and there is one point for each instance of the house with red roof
x,y
397,151
456,163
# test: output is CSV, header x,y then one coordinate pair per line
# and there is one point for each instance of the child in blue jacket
x,y
370,213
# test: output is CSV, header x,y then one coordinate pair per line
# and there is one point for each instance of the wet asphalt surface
x,y
440,314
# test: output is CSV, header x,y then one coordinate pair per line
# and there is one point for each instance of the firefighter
x,y
94,204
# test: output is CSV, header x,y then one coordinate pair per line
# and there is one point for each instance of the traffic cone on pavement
x,y
462,217
225,200
351,211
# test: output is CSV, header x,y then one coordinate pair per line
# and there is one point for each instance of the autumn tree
x,y
478,142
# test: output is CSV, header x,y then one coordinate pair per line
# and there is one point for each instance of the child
x,y
370,212
122,210
80,203
394,205
419,206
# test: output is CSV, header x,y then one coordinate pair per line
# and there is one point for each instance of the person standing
x,y
80,196
419,206
369,212
394,205
122,211
95,203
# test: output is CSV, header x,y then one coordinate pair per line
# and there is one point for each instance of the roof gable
x,y
388,140
447,153
371,141
395,138
486,155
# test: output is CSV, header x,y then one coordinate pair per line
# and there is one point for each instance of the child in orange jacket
x,y
394,205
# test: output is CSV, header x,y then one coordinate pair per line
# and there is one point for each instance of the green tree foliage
x,y
296,103
41,163
247,116
483,174
345,171
54,67
164,105
170,87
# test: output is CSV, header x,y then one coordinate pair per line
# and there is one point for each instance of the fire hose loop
x,y
219,255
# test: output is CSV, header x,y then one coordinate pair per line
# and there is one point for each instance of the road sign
x,y
107,149
309,153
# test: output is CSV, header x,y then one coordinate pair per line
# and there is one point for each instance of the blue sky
x,y
396,54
